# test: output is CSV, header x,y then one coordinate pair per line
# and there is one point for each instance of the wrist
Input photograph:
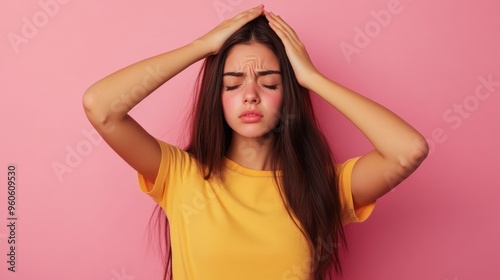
x,y
203,47
312,80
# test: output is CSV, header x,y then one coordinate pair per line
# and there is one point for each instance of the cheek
x,y
227,103
275,102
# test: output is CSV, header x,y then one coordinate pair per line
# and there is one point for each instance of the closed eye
x,y
228,88
273,87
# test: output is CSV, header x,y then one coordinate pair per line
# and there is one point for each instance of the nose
x,y
251,94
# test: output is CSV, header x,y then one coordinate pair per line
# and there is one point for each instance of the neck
x,y
252,153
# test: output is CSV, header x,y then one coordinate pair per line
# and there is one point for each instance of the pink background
x,y
424,63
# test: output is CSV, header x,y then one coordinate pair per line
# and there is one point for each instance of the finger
x,y
284,27
278,27
250,13
280,30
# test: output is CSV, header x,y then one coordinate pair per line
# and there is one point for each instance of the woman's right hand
x,y
214,39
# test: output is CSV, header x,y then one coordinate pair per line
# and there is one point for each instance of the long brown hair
x,y
308,183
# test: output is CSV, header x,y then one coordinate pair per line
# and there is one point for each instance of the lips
x,y
250,116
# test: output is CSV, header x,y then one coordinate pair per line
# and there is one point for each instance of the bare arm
x,y
108,101
399,148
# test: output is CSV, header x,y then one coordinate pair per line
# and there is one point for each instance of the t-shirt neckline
x,y
247,171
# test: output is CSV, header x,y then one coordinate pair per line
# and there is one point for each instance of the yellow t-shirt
x,y
237,231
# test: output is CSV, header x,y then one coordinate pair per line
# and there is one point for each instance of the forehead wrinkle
x,y
252,66
251,62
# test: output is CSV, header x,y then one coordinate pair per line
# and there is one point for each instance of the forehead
x,y
254,55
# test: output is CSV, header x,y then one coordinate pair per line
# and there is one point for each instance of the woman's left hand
x,y
295,49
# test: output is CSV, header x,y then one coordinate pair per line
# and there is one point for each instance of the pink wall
x,y
430,62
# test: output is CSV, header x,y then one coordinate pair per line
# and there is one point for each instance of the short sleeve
x,y
349,213
172,159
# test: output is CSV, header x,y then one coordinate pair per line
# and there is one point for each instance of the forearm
x,y
391,136
115,95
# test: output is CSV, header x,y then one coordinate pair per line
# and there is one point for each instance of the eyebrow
x,y
259,73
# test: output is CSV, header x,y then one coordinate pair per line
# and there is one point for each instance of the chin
x,y
254,133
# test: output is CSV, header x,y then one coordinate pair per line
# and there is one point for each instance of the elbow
x,y
407,162
413,158
420,150
93,108
89,104
425,149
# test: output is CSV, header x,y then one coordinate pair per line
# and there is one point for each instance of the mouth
x,y
251,116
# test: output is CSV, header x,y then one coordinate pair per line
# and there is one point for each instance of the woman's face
x,y
252,91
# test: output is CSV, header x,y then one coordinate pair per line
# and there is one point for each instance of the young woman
x,y
256,193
